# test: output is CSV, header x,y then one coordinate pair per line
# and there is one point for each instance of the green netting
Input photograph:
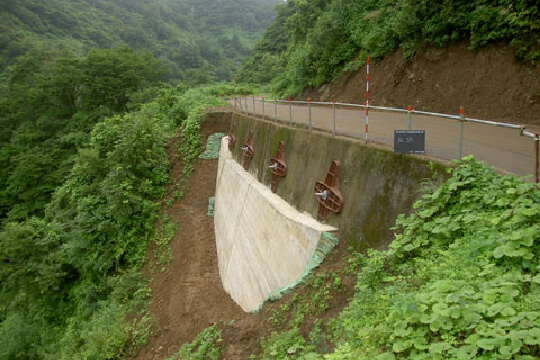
x,y
211,202
326,243
212,146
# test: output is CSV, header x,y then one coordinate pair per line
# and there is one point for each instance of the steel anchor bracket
x,y
328,193
232,139
278,167
248,149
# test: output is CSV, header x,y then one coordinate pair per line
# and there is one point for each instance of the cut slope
x,y
189,297
490,83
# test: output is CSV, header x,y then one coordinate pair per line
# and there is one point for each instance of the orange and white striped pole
x,y
309,112
409,117
290,112
367,96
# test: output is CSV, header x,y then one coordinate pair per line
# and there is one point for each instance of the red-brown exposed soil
x,y
489,83
188,296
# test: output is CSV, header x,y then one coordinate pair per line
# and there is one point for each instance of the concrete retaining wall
x,y
263,243
376,184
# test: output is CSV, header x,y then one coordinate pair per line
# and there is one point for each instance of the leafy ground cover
x,y
460,281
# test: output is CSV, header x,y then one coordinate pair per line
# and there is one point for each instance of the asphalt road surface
x,y
505,149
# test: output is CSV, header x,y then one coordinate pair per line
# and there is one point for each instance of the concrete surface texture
x,y
376,184
263,243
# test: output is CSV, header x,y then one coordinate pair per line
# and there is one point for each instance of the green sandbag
x,y
213,145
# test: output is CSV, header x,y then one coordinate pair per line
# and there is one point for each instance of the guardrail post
x,y
309,112
275,109
409,115
334,116
253,98
246,102
536,160
263,106
461,122
290,113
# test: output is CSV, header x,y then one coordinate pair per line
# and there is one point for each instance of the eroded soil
x,y
490,83
188,296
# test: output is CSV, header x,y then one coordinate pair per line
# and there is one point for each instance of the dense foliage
x,y
86,113
311,42
69,280
50,103
198,41
460,281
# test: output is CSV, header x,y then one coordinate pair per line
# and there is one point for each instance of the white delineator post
x,y
334,116
461,122
536,158
367,96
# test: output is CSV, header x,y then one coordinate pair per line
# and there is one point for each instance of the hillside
x,y
105,245
197,41
490,83
66,65
434,55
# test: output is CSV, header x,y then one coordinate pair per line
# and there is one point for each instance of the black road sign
x,y
410,142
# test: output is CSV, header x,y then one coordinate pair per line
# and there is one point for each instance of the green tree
x,y
109,77
53,100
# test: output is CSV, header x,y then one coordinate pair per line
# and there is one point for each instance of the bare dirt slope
x,y
188,297
490,83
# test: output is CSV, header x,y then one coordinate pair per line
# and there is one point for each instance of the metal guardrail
x,y
243,104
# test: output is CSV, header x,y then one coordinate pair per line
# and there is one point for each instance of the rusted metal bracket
x,y
278,167
328,193
232,138
248,149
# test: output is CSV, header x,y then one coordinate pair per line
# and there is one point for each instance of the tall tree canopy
x,y
312,41
190,37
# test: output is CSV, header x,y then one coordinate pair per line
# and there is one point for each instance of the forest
x,y
196,41
93,91
62,69
313,42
